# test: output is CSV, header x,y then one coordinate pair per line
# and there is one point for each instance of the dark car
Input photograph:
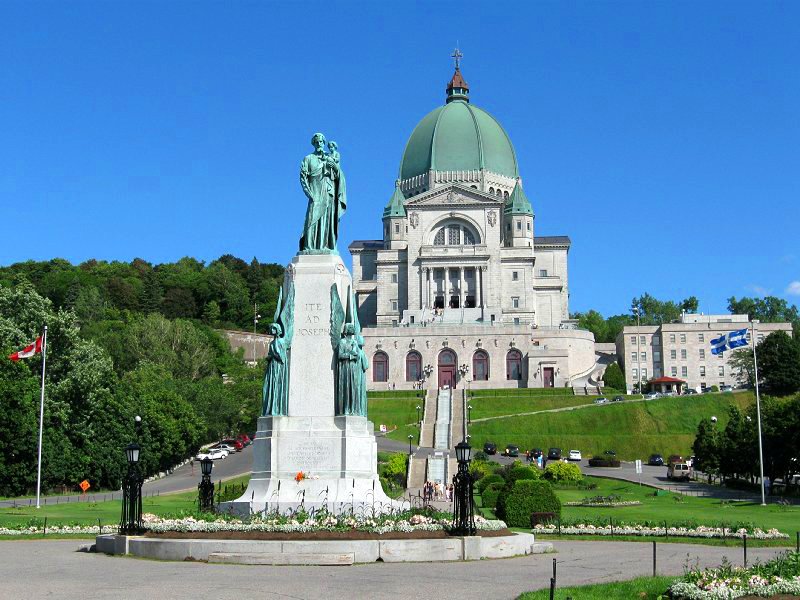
x,y
656,460
554,454
512,450
618,399
490,448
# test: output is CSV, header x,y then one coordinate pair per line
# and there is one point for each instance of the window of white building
x,y
543,273
683,338
701,337
684,371
674,371
702,354
683,353
514,275
721,371
394,277
633,339
644,356
455,234
673,354
634,356
635,373
672,338
702,371
515,301
394,304
656,356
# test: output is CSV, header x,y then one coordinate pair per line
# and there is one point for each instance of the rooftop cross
x,y
457,56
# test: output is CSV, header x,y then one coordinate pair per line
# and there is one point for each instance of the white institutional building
x,y
460,288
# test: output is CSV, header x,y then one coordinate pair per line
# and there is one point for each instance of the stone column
x,y
447,287
461,294
483,287
478,284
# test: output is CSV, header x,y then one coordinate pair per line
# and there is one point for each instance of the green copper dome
x,y
458,137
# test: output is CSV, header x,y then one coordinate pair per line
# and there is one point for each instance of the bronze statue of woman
x,y
275,392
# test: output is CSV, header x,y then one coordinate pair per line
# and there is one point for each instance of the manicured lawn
x,y
504,405
392,412
643,588
87,513
634,430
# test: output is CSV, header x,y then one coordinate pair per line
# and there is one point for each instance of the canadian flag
x,y
34,348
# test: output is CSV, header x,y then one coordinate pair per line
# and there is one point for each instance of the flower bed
x,y
778,576
646,531
301,523
58,530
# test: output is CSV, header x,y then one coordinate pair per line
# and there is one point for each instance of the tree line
x,y
123,340
220,294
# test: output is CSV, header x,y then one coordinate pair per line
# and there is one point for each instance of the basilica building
x,y
460,289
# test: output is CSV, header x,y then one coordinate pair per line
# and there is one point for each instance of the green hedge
x,y
518,473
484,482
526,497
491,493
563,472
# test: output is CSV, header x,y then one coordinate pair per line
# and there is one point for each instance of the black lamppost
x,y
410,437
131,522
469,414
419,410
205,487
463,508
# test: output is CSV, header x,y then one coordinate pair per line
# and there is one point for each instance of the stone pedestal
x,y
337,454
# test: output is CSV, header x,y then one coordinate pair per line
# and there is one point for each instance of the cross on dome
x,y
457,56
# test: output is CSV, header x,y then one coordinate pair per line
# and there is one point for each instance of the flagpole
x,y
41,420
758,414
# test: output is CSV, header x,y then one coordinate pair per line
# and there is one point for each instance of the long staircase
x,y
444,415
437,468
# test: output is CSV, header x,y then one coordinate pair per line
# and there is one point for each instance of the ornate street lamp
x,y
469,414
131,521
419,410
463,508
205,487
410,437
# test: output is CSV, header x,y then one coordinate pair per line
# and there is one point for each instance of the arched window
x,y
380,367
491,191
439,239
480,366
455,233
447,357
499,192
505,195
413,366
514,365
469,239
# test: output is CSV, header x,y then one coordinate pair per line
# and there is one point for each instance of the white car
x,y
601,401
213,455
652,396
574,455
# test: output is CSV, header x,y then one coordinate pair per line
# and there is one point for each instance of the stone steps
x,y
428,420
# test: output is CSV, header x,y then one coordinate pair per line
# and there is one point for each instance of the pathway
x,y
72,574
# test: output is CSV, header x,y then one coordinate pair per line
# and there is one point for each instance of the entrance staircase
x,y
437,468
444,415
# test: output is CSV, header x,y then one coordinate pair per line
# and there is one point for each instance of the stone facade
x,y
683,350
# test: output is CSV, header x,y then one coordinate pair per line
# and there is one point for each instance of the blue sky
x,y
662,137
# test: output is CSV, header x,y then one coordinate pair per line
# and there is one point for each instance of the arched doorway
x,y
447,369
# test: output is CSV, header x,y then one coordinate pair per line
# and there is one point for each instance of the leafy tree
x,y
654,312
614,378
741,360
211,313
594,322
768,309
779,362
707,447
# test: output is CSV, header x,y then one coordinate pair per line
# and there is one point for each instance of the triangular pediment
x,y
453,195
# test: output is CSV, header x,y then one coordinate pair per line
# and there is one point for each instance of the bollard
x,y
654,558
552,589
744,548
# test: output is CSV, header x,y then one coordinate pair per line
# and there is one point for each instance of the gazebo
x,y
666,384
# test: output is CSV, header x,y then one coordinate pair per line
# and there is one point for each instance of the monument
x,y
314,446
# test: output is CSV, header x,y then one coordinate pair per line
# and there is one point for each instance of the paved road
x,y
56,569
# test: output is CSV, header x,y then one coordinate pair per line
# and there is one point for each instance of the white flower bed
x,y
269,524
641,530
60,530
604,504
734,587
327,523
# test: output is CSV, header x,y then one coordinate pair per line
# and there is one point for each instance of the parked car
x,y
244,438
618,399
554,454
690,391
652,396
601,400
235,444
679,470
212,454
725,388
656,460
512,450
490,448
221,446
574,455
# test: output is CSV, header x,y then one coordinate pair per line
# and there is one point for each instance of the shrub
x,y
516,506
491,493
394,469
563,472
480,469
480,456
518,473
484,482
713,388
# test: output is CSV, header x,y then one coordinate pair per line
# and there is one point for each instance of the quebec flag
x,y
737,338
718,345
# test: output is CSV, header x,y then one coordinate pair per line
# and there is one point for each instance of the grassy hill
x,y
634,430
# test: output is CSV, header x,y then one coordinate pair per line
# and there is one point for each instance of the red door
x,y
547,377
447,369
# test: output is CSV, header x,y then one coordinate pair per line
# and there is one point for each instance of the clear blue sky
x,y
662,137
